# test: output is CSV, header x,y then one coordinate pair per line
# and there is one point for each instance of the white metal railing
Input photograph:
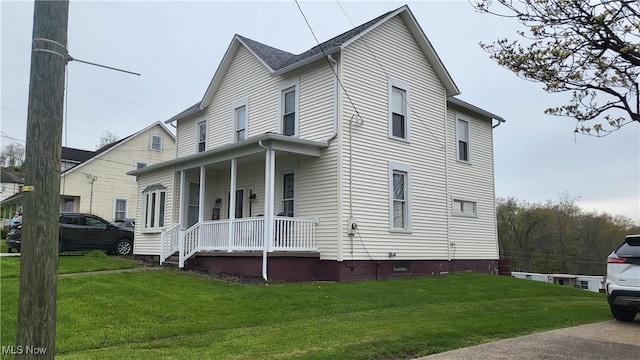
x,y
294,234
247,234
169,243
190,243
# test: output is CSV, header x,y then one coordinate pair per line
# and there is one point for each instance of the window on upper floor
x,y
399,197
289,107
156,142
202,135
141,164
240,119
399,125
464,207
462,138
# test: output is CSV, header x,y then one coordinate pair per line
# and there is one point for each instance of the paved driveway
x,y
606,340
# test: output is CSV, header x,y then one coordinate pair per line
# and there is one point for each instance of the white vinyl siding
x,y
373,149
475,235
147,241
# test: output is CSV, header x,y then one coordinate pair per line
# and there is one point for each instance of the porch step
x,y
172,261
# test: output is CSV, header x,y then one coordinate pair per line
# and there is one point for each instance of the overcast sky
x,y
177,47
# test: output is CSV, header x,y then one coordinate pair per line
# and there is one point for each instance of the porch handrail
x,y
169,243
290,234
190,243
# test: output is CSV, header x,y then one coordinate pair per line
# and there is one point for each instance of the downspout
x,y
446,174
336,116
335,98
498,124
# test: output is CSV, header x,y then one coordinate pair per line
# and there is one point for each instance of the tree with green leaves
x,y
588,48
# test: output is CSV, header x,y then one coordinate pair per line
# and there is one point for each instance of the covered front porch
x,y
237,200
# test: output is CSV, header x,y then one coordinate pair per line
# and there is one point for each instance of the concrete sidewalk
x,y
606,340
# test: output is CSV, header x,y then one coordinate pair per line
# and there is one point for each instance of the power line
x,y
329,62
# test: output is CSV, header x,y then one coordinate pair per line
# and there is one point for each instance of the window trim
x,y
115,207
399,84
463,200
393,168
295,186
156,214
235,106
198,142
284,87
463,119
151,142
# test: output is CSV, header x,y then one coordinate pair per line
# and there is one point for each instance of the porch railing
x,y
169,242
247,234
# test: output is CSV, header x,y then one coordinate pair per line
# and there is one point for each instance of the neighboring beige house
x,y
9,186
96,182
352,160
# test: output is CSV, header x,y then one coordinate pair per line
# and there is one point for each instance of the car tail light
x,y
615,259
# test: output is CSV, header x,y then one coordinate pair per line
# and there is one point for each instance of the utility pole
x,y
39,260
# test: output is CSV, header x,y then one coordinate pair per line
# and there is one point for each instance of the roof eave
x,y
306,61
475,109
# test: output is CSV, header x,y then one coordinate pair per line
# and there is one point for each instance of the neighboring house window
x,y
288,194
120,209
154,207
141,164
289,107
399,125
202,136
462,135
240,116
68,204
465,207
156,142
399,197
584,284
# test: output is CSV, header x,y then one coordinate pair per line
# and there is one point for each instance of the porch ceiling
x,y
249,149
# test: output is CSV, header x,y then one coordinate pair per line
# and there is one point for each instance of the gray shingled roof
x,y
277,59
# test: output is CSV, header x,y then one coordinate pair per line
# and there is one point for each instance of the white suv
x,y
623,279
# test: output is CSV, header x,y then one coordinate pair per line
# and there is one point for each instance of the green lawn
x,y
178,315
67,264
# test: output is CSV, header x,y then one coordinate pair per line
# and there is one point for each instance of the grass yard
x,y
181,315
68,264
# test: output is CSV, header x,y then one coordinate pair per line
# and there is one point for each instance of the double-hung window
x,y
289,108
156,142
240,116
154,198
202,136
399,125
399,197
462,137
120,209
288,194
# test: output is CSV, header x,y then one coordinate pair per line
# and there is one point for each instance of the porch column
x,y
183,191
269,183
203,184
232,201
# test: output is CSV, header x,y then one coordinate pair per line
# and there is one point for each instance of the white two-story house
x,y
352,160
